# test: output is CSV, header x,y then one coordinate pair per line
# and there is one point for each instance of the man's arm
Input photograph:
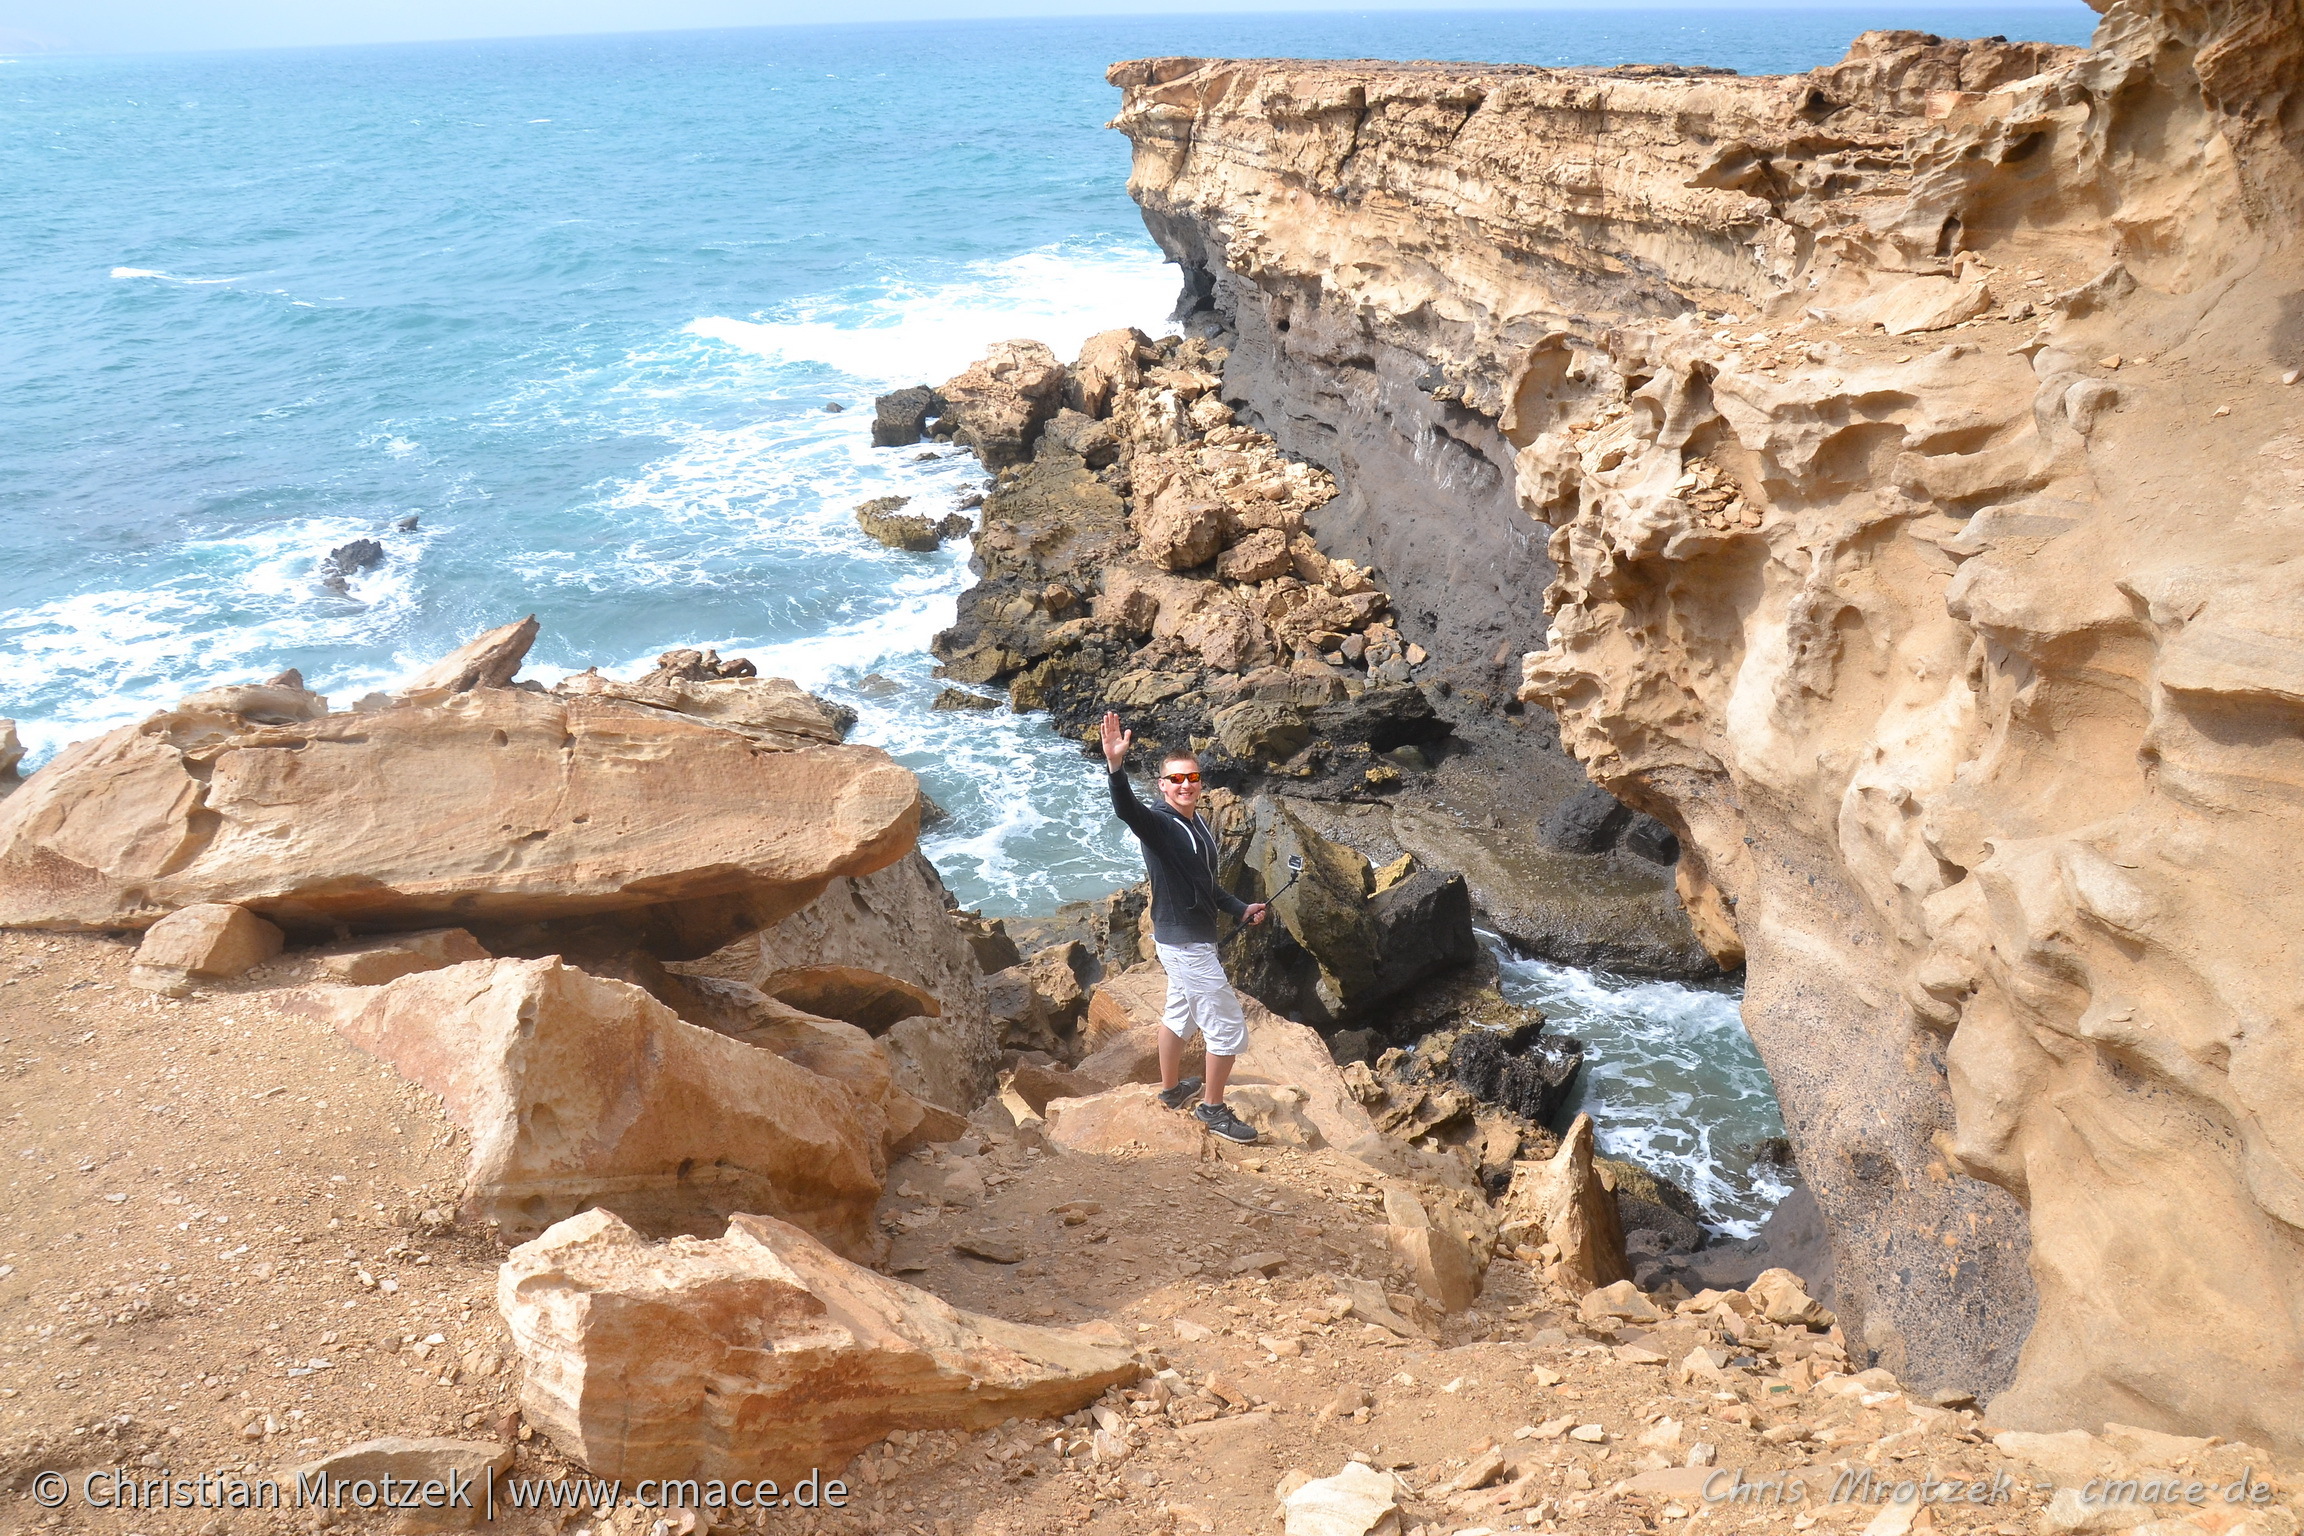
x,y
1139,816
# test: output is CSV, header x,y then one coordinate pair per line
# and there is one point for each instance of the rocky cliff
x,y
1910,453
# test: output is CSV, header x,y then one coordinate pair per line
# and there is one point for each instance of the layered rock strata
x,y
1921,468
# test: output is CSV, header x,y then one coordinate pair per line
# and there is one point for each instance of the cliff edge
x,y
1907,460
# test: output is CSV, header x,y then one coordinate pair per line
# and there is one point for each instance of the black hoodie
x,y
1180,856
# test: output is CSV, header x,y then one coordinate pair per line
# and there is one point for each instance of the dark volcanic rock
x,y
901,416
358,555
1523,1069
1652,840
1589,821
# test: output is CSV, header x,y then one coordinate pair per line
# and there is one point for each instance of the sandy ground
x,y
225,1248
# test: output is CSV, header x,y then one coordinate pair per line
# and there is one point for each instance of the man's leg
x,y
1176,1027
1219,1071
1172,1059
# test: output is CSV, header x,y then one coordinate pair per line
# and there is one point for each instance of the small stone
x,y
2292,375
1620,1300
1590,1434
2223,410
1285,1348
209,938
1262,1263
983,1245
2110,362
1191,1332
1545,1376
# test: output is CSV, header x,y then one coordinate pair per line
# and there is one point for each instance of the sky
x,y
143,26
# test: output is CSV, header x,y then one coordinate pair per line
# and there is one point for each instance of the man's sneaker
x,y
1220,1121
1180,1095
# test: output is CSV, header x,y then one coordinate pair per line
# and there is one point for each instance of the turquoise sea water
x,y
579,304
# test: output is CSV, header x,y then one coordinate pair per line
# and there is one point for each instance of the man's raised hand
x,y
1115,741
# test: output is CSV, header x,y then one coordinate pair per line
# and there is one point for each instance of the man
x,y
1180,856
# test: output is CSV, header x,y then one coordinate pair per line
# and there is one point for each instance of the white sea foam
x,y
909,334
1670,1079
168,277
235,606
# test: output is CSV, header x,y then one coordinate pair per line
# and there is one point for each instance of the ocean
x,y
579,305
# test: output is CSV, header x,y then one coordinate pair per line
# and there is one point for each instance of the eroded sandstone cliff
x,y
1924,487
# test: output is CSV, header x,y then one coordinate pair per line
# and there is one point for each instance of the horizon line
x,y
51,47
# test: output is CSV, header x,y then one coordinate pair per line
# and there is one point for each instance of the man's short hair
x,y
1177,757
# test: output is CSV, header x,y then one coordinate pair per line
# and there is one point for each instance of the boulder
x,y
944,1061
208,939
1096,442
11,749
1441,1262
1261,556
885,519
1782,1298
1017,1012
1109,363
1420,926
1055,974
961,698
901,416
494,806
762,1353
372,962
1563,1202
1588,821
999,404
1256,731
1524,1070
444,1482
580,1091
1618,1301
1228,637
487,660
1184,524
358,555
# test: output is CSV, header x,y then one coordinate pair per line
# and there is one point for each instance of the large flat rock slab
x,y
492,806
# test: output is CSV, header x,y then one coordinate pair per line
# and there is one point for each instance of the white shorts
x,y
1201,998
